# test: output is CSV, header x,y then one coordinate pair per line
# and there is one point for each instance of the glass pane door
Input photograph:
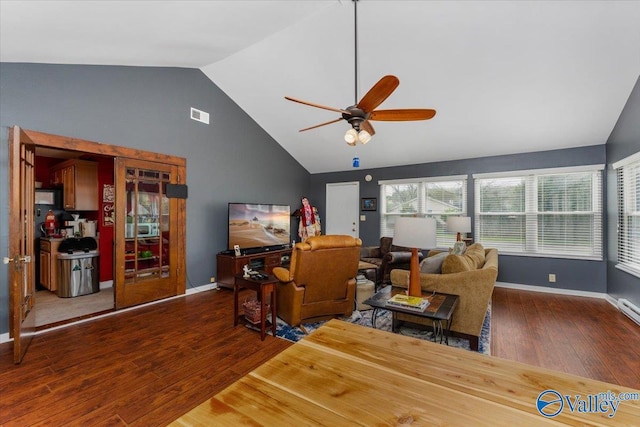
x,y
149,249
147,231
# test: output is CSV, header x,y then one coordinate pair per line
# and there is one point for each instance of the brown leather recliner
x,y
320,283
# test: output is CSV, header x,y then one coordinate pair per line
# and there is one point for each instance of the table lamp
x,y
459,224
415,233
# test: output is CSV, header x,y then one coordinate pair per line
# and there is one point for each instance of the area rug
x,y
383,322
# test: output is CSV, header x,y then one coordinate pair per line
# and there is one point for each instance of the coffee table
x,y
440,309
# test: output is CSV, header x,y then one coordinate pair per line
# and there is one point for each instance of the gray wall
x,y
623,142
570,274
232,159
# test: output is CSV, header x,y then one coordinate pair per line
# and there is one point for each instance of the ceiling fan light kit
x,y
361,113
351,137
364,137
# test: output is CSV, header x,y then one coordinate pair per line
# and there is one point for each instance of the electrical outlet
x,y
213,279
552,278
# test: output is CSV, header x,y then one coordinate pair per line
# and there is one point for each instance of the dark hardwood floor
x,y
148,366
578,335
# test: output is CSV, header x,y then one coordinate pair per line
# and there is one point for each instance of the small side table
x,y
263,287
364,266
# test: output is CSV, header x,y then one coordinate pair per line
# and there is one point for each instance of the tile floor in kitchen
x,y
52,309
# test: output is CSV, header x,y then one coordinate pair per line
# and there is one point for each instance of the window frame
x,y
531,246
444,238
628,248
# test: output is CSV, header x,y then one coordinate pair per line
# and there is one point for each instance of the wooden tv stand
x,y
230,265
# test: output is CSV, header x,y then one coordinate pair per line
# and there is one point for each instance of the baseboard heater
x,y
631,310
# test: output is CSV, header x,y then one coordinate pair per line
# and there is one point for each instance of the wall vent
x,y
199,116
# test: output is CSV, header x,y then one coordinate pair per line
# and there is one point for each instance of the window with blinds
x,y
436,198
551,212
628,174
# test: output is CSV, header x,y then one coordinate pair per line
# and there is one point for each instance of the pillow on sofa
x,y
472,259
476,251
433,264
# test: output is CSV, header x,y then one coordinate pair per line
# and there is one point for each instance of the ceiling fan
x,y
360,114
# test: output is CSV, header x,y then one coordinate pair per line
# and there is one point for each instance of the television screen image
x,y
258,225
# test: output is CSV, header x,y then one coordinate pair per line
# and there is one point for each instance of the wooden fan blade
x,y
403,115
337,110
321,124
378,93
365,125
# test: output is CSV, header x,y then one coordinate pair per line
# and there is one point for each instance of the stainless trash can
x,y
78,274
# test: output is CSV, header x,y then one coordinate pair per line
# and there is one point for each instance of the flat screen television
x,y
253,225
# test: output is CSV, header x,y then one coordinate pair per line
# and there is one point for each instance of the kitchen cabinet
x,y
79,180
49,263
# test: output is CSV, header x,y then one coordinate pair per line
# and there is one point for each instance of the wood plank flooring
x,y
146,367
578,335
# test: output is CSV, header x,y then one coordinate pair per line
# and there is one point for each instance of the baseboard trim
x,y
207,287
202,288
106,284
544,289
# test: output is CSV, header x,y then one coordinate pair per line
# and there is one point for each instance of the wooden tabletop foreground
x,y
345,374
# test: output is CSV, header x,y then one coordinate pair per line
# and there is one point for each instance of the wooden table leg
x,y
273,310
235,303
263,313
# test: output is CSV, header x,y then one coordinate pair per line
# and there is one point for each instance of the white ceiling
x,y
505,76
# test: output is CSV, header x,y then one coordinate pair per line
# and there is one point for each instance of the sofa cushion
x,y
458,248
433,264
374,261
457,264
476,251
472,259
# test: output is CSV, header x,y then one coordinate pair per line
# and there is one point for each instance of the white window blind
x,y
436,198
628,173
546,213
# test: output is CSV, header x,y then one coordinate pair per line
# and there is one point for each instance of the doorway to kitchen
x,y
106,224
74,235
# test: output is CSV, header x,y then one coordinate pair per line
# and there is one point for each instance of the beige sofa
x,y
473,282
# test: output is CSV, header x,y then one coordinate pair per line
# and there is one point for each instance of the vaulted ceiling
x,y
504,76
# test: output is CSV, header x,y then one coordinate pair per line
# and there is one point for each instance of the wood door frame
x,y
41,139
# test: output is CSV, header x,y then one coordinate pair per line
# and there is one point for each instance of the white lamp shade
x,y
351,137
415,232
459,224
364,136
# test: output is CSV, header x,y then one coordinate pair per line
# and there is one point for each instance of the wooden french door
x,y
21,246
146,235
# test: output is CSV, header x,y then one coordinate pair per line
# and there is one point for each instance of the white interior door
x,y
343,208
